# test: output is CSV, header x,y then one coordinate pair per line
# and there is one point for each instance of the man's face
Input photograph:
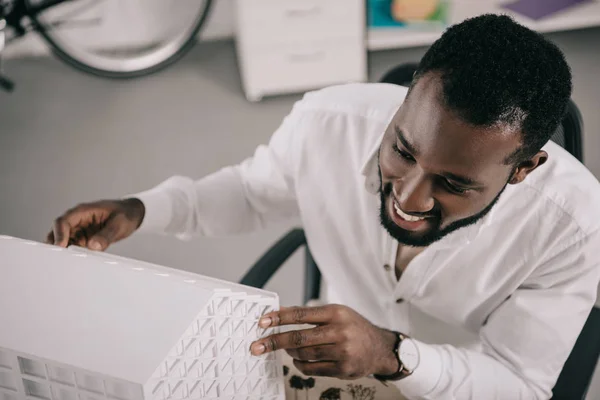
x,y
439,173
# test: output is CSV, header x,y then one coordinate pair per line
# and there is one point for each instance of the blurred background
x,y
209,82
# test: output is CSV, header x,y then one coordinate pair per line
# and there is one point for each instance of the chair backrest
x,y
576,375
569,134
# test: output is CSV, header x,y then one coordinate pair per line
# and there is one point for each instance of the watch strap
x,y
402,372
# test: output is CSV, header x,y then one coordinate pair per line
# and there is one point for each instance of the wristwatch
x,y
407,353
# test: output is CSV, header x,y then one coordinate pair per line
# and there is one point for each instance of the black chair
x,y
575,378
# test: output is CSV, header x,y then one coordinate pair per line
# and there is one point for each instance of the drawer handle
x,y
306,57
298,12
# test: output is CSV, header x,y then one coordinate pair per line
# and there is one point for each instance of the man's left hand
x,y
343,344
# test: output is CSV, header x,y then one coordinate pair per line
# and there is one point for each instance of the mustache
x,y
388,190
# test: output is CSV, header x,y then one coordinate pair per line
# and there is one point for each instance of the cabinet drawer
x,y
302,67
290,20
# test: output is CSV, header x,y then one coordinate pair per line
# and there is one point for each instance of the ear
x,y
526,167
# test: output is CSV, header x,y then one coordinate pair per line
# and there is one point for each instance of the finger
x,y
112,231
79,238
65,225
294,339
298,316
61,232
318,368
50,238
315,353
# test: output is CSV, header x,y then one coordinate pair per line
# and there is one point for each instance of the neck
x,y
404,256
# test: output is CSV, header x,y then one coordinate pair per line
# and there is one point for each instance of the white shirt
x,y
495,308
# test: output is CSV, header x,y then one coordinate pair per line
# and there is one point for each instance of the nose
x,y
414,193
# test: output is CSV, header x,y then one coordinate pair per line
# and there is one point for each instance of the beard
x,y
434,218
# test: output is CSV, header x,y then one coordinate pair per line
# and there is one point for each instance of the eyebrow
x,y
463,180
405,142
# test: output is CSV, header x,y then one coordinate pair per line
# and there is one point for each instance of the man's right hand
x,y
97,225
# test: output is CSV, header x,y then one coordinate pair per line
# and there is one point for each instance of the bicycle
x,y
108,38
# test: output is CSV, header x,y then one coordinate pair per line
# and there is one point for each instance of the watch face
x,y
409,354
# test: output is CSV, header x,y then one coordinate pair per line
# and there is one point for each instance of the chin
x,y
419,233
421,238
406,229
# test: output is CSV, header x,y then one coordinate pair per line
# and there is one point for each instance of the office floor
x,y
68,137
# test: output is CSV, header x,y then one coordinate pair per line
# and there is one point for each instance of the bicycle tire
x,y
64,56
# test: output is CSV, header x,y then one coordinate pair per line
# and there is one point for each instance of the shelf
x,y
382,39
582,16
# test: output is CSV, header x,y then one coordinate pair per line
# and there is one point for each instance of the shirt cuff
x,y
426,376
158,210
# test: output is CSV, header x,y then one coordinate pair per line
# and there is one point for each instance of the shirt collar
x,y
370,168
460,237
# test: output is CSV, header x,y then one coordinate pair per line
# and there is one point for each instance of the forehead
x,y
446,142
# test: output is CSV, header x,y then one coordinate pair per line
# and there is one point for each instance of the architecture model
x,y
82,325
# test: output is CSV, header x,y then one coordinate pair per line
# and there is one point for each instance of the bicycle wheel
x,y
120,39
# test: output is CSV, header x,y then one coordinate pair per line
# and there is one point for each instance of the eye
x,y
454,188
402,153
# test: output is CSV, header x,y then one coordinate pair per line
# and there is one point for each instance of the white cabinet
x,y
287,46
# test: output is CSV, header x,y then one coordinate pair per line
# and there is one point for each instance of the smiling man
x,y
439,172
457,243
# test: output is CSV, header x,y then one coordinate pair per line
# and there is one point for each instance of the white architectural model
x,y
80,325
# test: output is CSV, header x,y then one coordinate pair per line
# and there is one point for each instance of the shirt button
x,y
387,267
399,301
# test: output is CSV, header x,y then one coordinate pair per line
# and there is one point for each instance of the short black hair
x,y
496,71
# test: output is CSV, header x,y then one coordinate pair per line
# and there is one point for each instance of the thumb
x,y
107,235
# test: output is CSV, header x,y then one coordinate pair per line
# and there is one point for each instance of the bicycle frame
x,y
44,5
5,83
21,9
18,9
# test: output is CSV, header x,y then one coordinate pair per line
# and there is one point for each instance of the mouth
x,y
404,220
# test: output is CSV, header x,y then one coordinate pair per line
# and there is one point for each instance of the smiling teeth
x,y
407,217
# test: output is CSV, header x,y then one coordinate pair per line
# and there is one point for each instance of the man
x,y
458,244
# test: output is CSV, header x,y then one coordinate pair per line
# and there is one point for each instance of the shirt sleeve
x,y
525,341
234,200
